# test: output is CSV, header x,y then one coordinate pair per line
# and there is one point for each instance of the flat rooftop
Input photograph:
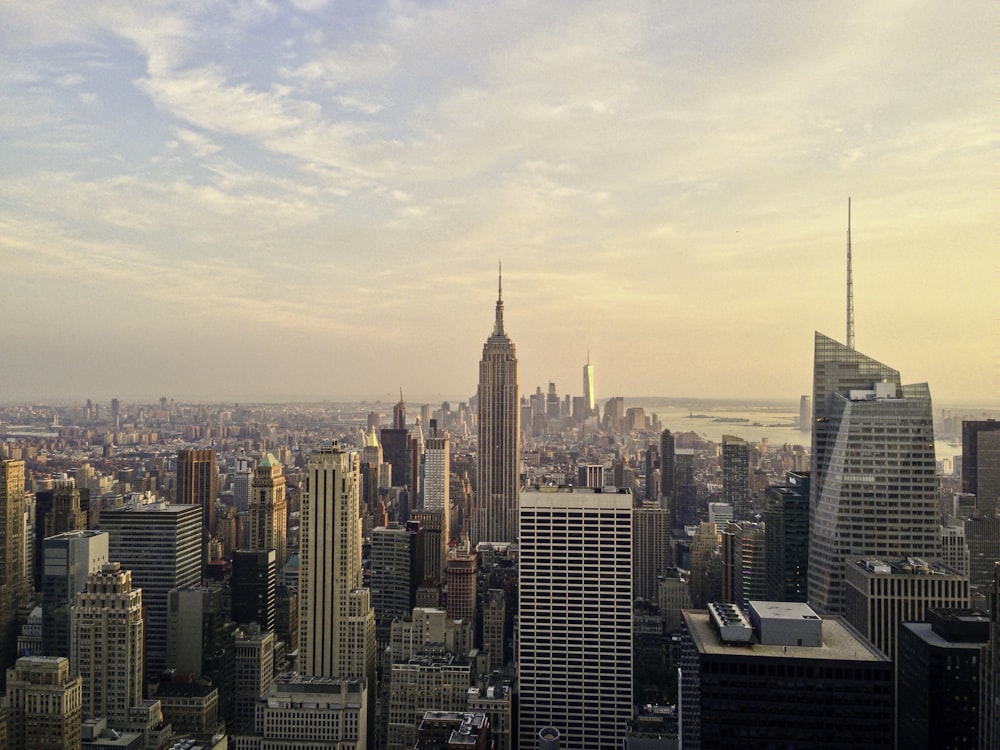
x,y
839,642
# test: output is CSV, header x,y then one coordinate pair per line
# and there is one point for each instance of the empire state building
x,y
498,471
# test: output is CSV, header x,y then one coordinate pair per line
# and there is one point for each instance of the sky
x,y
309,199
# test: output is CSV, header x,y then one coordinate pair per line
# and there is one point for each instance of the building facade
x,y
14,572
68,560
575,616
268,510
43,704
197,477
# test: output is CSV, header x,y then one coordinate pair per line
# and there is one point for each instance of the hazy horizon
x,y
309,197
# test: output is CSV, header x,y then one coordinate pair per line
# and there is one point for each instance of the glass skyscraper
x,y
874,489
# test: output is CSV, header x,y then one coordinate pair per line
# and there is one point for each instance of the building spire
x,y
498,326
850,283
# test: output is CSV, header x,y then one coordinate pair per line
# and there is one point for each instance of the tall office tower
x,y
494,628
954,549
196,482
399,413
981,464
434,680
69,559
805,414
651,556
684,508
873,460
498,470
990,725
744,558
552,403
241,490
254,585
880,595
941,677
160,543
13,557
336,622
268,508
786,539
461,574
589,399
736,476
254,666
575,582
43,704
651,485
982,535
437,489
433,526
706,565
57,510
107,632
200,639
396,563
783,678
666,465
396,449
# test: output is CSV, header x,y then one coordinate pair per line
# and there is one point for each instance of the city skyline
x,y
664,184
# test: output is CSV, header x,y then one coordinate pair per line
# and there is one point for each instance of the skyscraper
x,y
437,493
43,704
736,476
159,544
575,616
498,474
873,487
268,511
589,399
254,586
786,531
69,559
981,464
651,557
196,481
106,636
13,562
336,623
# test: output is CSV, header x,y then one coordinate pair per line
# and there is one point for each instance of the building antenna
x,y
850,282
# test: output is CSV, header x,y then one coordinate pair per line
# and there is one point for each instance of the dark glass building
x,y
786,531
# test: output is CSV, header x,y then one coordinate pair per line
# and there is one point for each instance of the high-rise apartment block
x,y
336,624
43,704
873,484
268,509
498,466
160,544
197,476
575,615
107,645
68,561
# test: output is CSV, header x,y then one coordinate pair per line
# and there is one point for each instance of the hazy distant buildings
x,y
575,616
498,466
589,397
873,483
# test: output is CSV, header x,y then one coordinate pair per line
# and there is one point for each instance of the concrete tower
x,y
268,511
336,622
873,489
498,472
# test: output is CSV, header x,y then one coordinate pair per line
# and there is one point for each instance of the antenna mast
x,y
850,283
